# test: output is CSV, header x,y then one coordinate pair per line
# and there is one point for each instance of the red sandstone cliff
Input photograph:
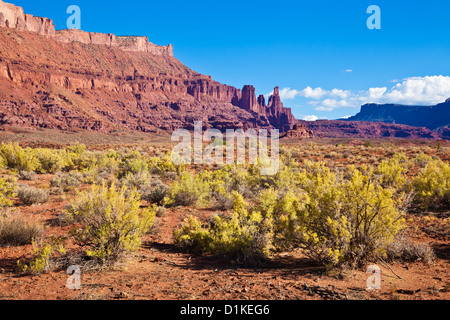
x,y
71,79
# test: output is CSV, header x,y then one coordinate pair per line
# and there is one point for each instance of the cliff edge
x,y
14,17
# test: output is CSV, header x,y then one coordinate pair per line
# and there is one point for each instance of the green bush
x,y
50,161
348,221
133,162
105,170
7,192
432,185
422,159
42,254
78,158
280,210
392,172
335,219
163,165
110,223
224,181
137,180
188,190
154,192
240,235
18,158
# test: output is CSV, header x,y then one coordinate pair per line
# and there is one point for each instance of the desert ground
x,y
162,270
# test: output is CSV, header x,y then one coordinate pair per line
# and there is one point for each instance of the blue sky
x,y
320,53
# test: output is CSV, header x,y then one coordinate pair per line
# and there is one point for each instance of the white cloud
x,y
376,93
420,90
312,93
316,93
349,70
324,109
288,94
338,93
427,90
311,118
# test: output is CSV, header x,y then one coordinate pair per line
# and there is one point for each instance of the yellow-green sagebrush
x,y
109,222
335,220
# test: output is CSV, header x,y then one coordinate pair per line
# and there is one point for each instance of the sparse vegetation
x,y
17,231
109,223
7,192
42,254
18,158
187,190
432,185
31,195
335,205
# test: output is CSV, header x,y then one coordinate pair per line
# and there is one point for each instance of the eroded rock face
x,y
366,129
126,43
431,117
84,84
248,99
279,116
299,131
72,79
14,17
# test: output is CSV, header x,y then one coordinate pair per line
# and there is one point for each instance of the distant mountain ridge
x,y
436,117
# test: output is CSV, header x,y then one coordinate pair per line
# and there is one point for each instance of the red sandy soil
x,y
161,271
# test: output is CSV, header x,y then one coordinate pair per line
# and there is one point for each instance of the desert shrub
x,y
392,172
42,254
67,181
187,190
280,210
347,221
133,162
111,223
49,161
231,178
16,231
7,192
160,211
163,165
77,157
422,159
136,180
432,185
106,168
240,235
27,175
3,164
18,158
31,195
405,251
98,175
154,192
222,184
